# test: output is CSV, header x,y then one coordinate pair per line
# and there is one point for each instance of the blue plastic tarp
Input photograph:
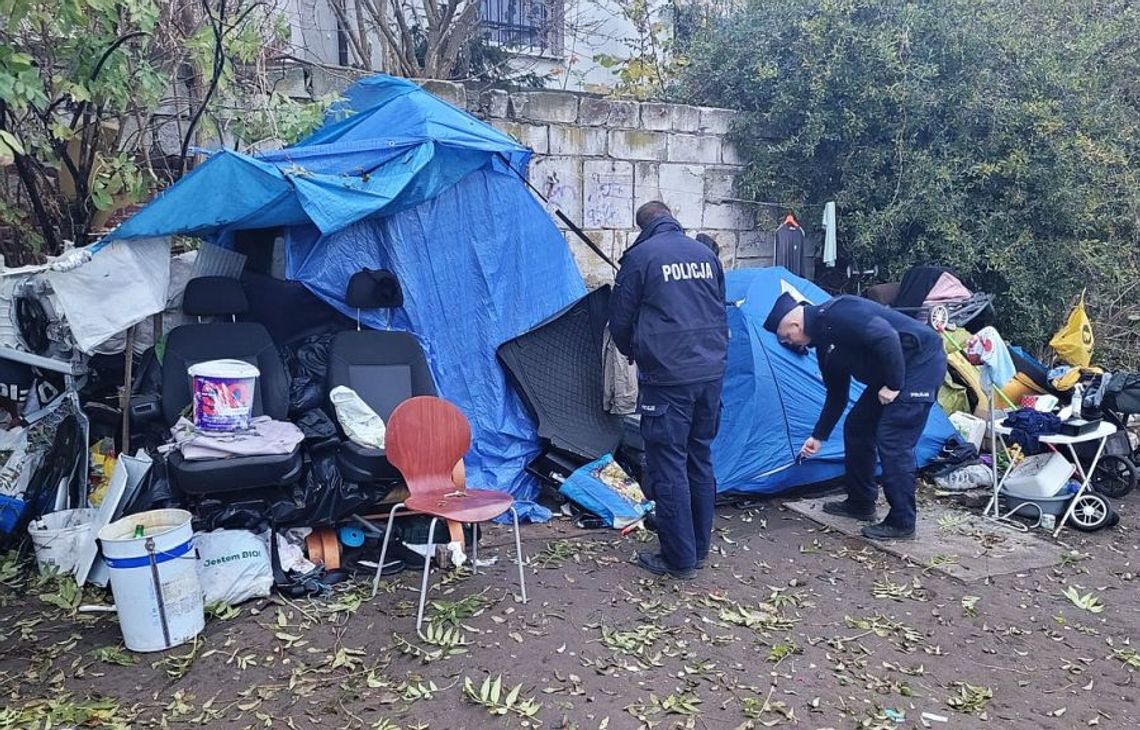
x,y
399,179
479,264
400,147
772,397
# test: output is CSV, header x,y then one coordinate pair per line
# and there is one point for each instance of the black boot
x,y
846,509
883,531
654,563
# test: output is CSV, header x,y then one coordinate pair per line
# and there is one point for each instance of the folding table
x,y
1099,436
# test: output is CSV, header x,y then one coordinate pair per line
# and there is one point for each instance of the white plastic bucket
x,y
223,394
58,536
154,579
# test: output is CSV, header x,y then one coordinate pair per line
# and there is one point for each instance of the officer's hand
x,y
811,447
887,396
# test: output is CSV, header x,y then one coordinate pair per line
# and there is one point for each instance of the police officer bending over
x,y
902,363
667,314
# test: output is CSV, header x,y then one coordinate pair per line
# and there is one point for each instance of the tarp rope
x,y
561,216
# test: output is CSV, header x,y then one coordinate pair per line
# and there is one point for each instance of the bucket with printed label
x,y
154,577
223,394
57,537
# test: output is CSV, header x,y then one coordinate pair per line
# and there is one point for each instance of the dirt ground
x,y
789,626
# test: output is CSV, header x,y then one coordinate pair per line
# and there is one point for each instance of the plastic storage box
x,y
1043,475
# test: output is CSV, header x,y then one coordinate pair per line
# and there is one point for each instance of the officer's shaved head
x,y
650,212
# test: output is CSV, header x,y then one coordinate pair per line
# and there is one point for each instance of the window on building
x,y
532,26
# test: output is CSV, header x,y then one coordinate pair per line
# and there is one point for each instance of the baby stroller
x,y
1116,400
936,296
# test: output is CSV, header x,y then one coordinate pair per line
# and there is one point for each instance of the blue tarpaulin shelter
x,y
773,396
398,179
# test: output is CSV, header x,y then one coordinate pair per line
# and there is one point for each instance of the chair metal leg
x,y
519,553
427,571
384,548
474,548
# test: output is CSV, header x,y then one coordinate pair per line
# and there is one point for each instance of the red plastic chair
x,y
426,437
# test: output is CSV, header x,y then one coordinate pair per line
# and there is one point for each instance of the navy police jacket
x,y
878,346
667,310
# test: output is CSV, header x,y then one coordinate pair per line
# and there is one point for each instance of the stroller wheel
x,y
1115,476
1091,513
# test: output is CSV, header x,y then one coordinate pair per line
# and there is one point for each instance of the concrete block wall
x,y
598,159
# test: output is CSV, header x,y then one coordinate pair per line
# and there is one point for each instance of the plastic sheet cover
x,y
479,264
772,397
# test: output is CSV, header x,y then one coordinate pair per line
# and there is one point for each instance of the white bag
x,y
233,566
360,423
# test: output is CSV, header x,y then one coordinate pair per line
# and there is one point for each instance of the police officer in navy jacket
x,y
667,313
902,363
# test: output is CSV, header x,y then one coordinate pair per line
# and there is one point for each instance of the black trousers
x,y
893,432
678,425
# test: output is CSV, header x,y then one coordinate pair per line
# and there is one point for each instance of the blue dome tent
x,y
399,179
773,396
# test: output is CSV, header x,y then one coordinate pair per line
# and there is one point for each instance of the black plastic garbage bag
x,y
326,496
155,491
316,425
307,363
305,395
313,356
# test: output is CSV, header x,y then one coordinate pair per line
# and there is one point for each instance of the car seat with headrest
x,y
385,368
189,344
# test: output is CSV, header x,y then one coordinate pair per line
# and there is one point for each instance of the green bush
x,y
997,137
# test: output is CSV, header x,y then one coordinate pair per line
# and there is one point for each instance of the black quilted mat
x,y
557,370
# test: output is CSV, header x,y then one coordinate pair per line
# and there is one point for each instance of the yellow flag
x,y
1074,342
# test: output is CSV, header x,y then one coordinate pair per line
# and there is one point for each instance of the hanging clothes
x,y
791,247
830,247
988,351
620,375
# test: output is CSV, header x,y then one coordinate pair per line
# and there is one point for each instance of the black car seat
x,y
190,344
385,368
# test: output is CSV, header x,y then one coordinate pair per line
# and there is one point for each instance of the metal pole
x,y
125,393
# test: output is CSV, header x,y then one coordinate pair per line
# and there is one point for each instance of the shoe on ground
x,y
844,508
654,563
883,531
